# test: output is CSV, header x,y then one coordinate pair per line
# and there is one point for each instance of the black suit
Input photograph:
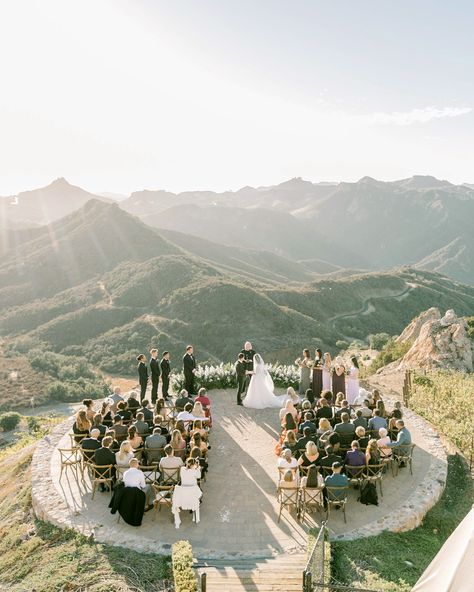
x,y
189,364
155,378
240,369
165,377
105,456
248,360
143,379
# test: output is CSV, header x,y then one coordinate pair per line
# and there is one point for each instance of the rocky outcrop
x,y
412,331
441,343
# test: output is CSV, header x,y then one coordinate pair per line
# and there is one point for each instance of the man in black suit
x,y
330,458
248,360
189,368
240,369
155,374
165,374
90,445
142,375
104,456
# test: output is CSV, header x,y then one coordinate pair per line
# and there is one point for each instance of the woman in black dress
x,y
318,374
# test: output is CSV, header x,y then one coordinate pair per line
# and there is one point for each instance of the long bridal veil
x,y
259,368
260,392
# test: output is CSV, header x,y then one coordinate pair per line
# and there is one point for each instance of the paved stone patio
x,y
239,510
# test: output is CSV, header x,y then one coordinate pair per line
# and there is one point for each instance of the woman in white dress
x,y
260,392
327,372
352,391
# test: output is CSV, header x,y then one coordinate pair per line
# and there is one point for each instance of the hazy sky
x,y
121,96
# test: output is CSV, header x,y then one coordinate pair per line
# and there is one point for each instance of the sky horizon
x,y
124,95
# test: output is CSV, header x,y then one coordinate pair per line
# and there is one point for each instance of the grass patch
x,y
393,562
38,556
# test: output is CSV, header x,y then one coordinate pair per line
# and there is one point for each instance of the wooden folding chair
x,y
288,498
69,459
150,472
336,496
101,474
310,497
402,454
170,476
374,473
163,497
180,452
76,439
355,474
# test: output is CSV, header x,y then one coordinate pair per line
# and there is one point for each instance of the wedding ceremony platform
x,y
239,512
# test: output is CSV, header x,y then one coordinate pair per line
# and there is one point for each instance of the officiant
x,y
248,353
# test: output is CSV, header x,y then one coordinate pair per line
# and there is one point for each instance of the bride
x,y
260,392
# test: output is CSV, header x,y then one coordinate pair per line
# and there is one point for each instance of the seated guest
x,y
327,396
187,414
159,422
339,400
310,396
306,437
312,479
287,460
392,428
90,444
106,413
307,423
324,427
361,437
198,442
115,446
289,480
383,443
329,458
115,399
293,396
354,459
289,423
123,411
197,410
397,410
81,425
337,479
359,420
182,429
103,456
288,408
118,427
170,461
188,494
203,399
324,410
334,440
98,425
136,441
147,413
291,442
154,445
310,456
403,437
381,407
375,397
198,429
366,410
196,455
89,405
340,412
124,455
306,407
161,408
372,454
141,425
133,477
182,400
376,422
133,403
177,441
345,428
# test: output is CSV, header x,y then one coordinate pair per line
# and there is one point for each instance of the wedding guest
x,y
155,372
115,446
353,381
339,400
198,442
119,429
313,479
170,461
317,384
123,411
195,454
375,397
132,403
198,429
159,422
307,423
359,420
365,410
182,400
327,372
97,424
89,405
403,437
177,441
141,425
136,441
289,422
161,409
376,422
147,413
115,399
287,460
240,372
197,410
339,377
289,481
361,436
305,365
106,412
104,456
182,429
124,455
142,375
329,458
292,396
154,445
372,454
186,414
81,425
383,443
337,479
291,443
165,368
306,437
288,408
133,477
328,396
381,407
310,396
189,369
324,426
203,399
324,410
354,458
392,428
310,456
344,409
397,412
345,428
90,444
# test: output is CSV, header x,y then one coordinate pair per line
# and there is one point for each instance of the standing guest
x,y
133,477
165,368
147,413
124,455
182,400
81,425
189,369
133,403
353,382
339,376
115,399
89,405
317,385
136,441
240,372
155,374
123,411
98,425
305,363
327,372
104,456
249,354
142,375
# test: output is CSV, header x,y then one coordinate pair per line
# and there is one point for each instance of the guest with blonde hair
x,y
81,425
124,455
289,407
198,411
327,372
177,440
309,456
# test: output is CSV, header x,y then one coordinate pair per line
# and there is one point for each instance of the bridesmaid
x,y
318,374
327,372
339,377
353,382
305,372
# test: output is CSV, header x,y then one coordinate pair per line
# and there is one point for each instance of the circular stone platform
x,y
239,511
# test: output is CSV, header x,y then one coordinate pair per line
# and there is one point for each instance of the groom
x,y
248,353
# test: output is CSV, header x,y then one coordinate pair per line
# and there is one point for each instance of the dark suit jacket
x,y
328,460
165,368
104,456
147,413
248,357
324,412
181,402
307,424
240,369
189,364
90,444
154,368
142,372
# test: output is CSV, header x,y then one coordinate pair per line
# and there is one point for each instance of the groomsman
x,y
165,373
155,374
142,375
248,353
189,368
240,371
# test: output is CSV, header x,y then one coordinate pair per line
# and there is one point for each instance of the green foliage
x,y
342,344
396,560
9,421
182,561
470,327
391,351
378,340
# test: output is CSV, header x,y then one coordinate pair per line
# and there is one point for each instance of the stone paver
x,y
239,511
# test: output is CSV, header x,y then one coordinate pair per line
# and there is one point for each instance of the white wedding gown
x,y
260,392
